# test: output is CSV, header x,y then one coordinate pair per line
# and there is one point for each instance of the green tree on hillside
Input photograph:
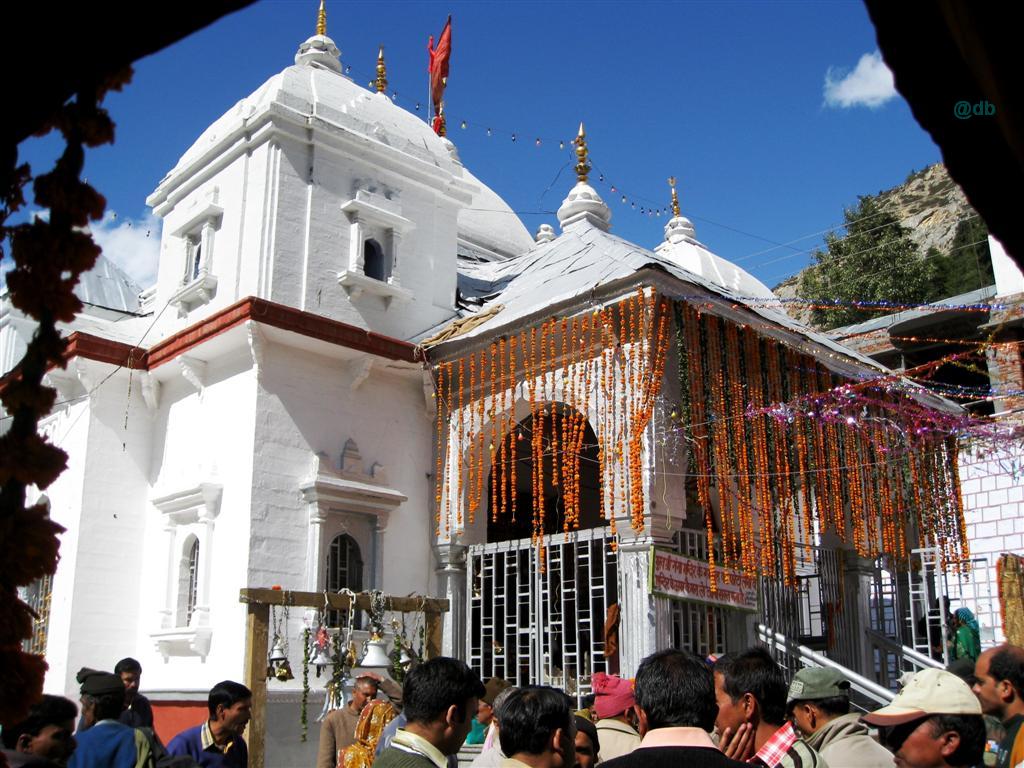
x,y
875,261
968,265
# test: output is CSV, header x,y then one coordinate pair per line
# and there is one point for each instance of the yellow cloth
x,y
1010,575
374,718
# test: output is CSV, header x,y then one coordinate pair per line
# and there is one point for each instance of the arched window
x,y
375,263
197,256
344,569
188,581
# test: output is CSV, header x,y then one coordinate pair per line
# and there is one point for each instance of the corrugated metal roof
x,y
106,285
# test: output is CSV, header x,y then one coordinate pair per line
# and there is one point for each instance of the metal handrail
x,y
809,658
915,657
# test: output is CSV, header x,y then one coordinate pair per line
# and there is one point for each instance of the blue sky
x,y
729,97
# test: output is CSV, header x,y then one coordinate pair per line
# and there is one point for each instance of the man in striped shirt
x,y
751,690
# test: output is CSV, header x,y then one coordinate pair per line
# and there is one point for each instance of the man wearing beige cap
x,y
819,705
934,722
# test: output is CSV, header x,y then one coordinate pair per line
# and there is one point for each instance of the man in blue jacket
x,y
218,741
103,741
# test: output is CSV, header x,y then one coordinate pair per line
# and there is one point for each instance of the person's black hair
x,y
435,685
228,693
587,702
127,664
755,672
583,725
106,707
675,688
530,716
833,706
52,710
1007,663
972,737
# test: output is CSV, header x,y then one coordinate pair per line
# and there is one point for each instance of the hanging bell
x,y
321,660
277,654
283,671
376,657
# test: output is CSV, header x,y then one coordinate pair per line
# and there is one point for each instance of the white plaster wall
x,y
202,439
68,428
99,501
14,330
242,190
312,241
306,406
1009,279
994,511
284,237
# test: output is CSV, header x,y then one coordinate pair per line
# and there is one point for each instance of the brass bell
x,y
283,671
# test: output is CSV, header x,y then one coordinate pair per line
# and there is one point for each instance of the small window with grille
x,y
188,582
344,571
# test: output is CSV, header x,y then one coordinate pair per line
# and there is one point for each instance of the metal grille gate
x,y
932,587
532,625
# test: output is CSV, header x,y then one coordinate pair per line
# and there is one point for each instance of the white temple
x,y
264,416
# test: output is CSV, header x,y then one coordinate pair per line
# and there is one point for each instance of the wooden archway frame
x,y
257,626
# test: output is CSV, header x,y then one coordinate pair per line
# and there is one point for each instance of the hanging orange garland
x,y
781,478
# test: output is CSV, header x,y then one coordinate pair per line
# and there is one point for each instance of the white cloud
x,y
870,84
132,244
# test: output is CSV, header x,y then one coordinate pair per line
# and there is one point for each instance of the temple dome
x,y
682,247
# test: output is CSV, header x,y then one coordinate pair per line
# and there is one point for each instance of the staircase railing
x,y
808,658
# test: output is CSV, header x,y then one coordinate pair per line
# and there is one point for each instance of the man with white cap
x,y
934,722
819,705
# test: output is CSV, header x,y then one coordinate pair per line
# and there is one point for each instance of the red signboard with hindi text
x,y
683,578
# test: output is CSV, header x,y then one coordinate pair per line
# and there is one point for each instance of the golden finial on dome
x,y
675,196
321,20
381,83
582,166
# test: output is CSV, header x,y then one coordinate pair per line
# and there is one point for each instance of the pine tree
x,y
876,261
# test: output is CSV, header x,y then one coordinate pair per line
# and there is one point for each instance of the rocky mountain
x,y
929,203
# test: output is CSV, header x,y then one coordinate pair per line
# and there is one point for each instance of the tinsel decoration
x,y
780,449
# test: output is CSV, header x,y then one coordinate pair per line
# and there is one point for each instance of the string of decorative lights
x,y
647,206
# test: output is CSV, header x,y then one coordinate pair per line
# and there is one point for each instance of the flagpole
x,y
430,69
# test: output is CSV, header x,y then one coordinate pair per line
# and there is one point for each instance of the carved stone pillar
x,y
201,612
165,614
638,635
355,233
451,575
858,574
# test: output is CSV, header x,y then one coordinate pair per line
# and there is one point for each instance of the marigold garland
x,y
782,475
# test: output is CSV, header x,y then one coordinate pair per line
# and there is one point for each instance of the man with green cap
x,y
103,741
819,705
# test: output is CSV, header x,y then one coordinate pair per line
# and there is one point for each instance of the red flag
x,y
439,58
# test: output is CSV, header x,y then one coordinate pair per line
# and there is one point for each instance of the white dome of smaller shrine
x,y
682,247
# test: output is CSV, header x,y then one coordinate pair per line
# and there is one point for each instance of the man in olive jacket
x,y
819,703
439,699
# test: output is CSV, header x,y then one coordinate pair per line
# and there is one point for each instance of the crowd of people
x,y
737,711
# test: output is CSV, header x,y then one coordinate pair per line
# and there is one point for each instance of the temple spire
x,y
583,205
321,20
381,83
582,166
675,196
